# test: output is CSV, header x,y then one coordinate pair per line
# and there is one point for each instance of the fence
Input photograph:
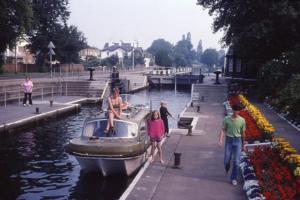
x,y
15,94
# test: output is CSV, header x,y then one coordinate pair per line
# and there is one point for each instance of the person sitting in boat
x,y
115,107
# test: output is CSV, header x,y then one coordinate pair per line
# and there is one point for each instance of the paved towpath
x,y
283,129
13,112
201,175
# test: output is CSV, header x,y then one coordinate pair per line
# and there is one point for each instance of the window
x,y
238,65
122,129
230,64
143,128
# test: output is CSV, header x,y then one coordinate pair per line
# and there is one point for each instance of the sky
x,y
104,21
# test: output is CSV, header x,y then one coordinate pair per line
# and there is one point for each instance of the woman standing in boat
x,y
114,110
156,132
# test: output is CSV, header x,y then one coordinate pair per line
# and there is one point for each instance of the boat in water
x,y
121,151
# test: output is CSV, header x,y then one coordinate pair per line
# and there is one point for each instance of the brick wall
x,y
21,68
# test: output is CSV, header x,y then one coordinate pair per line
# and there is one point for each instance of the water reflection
x,y
94,186
34,164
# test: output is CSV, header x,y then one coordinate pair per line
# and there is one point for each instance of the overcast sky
x,y
142,20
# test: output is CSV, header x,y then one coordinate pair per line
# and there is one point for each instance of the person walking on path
x,y
164,113
156,132
234,127
27,88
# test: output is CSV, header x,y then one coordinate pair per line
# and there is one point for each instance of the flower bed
x,y
272,173
258,117
276,179
269,173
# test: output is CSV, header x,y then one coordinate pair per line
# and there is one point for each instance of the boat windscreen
x,y
121,129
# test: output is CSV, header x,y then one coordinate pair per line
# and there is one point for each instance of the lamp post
x,y
133,58
51,53
16,58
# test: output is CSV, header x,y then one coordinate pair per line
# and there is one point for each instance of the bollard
x,y
192,104
51,103
37,110
189,130
198,109
202,98
177,159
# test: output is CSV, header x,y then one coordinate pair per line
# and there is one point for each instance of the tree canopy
x,y
184,54
15,21
39,22
162,50
257,30
210,57
50,24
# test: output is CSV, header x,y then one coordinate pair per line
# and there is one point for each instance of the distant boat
x,y
121,151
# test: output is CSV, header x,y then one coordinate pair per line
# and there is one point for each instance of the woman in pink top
x,y
156,132
27,88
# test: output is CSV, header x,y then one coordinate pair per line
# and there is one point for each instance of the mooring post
x,y
177,157
37,110
189,130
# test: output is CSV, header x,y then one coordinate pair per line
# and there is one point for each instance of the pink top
x,y
156,128
28,85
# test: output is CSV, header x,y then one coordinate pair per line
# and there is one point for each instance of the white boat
x,y
121,151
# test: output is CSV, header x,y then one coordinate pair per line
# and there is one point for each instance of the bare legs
x,y
159,149
110,122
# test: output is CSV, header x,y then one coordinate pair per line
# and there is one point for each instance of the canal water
x,y
34,164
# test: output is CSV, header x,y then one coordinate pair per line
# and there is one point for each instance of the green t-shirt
x,y
234,127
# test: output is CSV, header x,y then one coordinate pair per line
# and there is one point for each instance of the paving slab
x,y
201,175
283,128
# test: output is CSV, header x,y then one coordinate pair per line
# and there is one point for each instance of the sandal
x,y
112,130
106,131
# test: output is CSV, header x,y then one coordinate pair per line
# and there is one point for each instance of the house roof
x,y
125,46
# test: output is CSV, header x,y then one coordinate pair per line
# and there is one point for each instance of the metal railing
x,y
16,94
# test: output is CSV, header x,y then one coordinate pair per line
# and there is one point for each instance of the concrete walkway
x,y
15,116
201,175
283,129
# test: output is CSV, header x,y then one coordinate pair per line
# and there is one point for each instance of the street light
x,y
133,57
133,53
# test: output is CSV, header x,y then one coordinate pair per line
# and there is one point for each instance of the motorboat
x,y
120,151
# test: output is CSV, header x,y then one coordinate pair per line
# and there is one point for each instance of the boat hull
x,y
109,166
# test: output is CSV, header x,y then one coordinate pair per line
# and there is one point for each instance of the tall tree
x,y
50,17
162,50
184,54
70,42
210,58
189,37
199,50
15,20
257,30
162,58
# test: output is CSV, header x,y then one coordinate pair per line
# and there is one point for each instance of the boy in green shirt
x,y
234,127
